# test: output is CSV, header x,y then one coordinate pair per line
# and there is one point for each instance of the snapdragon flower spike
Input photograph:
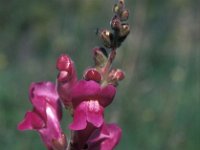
x,y
66,78
89,100
45,116
105,138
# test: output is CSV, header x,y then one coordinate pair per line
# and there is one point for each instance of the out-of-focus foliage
x,y
157,105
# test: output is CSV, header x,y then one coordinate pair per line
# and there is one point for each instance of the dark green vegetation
x,y
158,103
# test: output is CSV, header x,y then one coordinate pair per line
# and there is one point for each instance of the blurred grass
x,y
157,105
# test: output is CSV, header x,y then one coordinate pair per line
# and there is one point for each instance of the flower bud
x,y
116,75
106,37
115,23
64,63
124,15
124,31
63,76
121,2
100,56
92,74
117,9
119,75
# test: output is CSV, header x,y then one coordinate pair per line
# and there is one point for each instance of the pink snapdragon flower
x,y
45,116
105,138
88,97
89,100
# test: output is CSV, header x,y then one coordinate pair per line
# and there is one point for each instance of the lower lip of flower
x,y
93,105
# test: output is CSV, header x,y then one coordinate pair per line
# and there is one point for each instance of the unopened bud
x,y
119,75
124,15
121,2
92,74
116,75
100,56
117,9
115,23
64,63
125,30
106,37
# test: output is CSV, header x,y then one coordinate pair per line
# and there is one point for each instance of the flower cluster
x,y
86,99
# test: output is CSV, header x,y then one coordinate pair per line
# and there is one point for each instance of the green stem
x,y
107,67
109,62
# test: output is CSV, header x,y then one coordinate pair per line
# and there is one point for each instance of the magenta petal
x,y
95,117
106,95
84,90
53,123
43,92
31,121
79,120
52,129
39,105
105,138
43,89
64,90
114,137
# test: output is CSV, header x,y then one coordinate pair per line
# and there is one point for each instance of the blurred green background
x,y
157,105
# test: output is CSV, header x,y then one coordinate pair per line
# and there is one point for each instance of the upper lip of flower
x,y
89,99
91,90
42,93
